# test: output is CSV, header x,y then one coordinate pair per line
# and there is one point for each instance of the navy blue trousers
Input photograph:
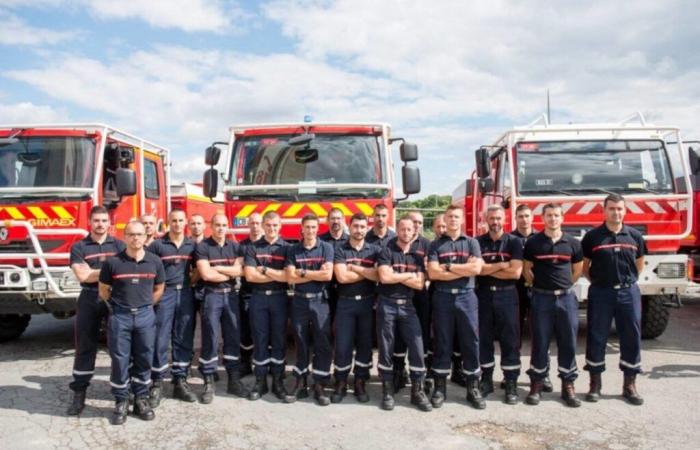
x,y
132,336
86,330
625,306
311,321
399,320
165,315
456,314
353,330
183,332
220,311
498,320
558,315
268,320
246,330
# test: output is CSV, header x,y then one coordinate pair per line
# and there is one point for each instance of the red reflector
x,y
528,146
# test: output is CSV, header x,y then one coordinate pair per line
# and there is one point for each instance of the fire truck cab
x,y
300,168
50,178
578,166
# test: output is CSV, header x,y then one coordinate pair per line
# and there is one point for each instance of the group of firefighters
x,y
442,305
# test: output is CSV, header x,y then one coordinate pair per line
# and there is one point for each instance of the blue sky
x,y
447,75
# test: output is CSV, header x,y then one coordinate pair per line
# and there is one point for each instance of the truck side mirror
x,y
486,185
694,159
126,182
212,155
210,183
411,180
409,152
483,163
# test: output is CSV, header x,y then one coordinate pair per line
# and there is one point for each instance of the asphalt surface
x,y
35,372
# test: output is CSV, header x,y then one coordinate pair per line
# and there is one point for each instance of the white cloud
x,y
15,31
27,112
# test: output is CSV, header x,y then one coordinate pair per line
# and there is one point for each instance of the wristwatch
x,y
302,273
447,266
264,270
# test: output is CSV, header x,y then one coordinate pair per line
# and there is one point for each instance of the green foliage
x,y
429,206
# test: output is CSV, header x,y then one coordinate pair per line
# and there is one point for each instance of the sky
x,y
447,75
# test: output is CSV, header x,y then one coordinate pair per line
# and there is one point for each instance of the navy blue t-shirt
x,y
310,259
176,260
273,256
92,253
506,248
391,255
372,238
366,256
445,250
218,255
327,237
132,281
613,255
551,261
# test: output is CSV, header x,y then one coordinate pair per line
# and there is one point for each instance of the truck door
x,y
154,193
121,209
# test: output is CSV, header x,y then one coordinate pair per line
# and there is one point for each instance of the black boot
x,y
418,396
474,397
300,391
361,391
596,384
278,389
387,395
511,397
77,403
629,391
428,385
568,394
486,384
235,387
121,408
400,380
259,389
440,392
339,391
142,409
155,394
246,366
535,394
547,385
320,394
458,377
182,390
209,390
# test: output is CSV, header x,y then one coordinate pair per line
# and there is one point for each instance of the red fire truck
x,y
578,166
691,244
50,177
300,168
190,198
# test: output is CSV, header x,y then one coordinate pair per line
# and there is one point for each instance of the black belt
x,y
616,287
498,288
355,297
269,291
220,290
397,301
553,292
115,306
454,290
308,294
90,288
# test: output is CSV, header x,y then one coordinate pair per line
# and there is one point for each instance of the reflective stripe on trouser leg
x,y
165,315
444,332
86,329
628,322
230,329
183,334
467,316
542,315
566,329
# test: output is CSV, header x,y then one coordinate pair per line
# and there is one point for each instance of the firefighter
x,y
219,262
255,234
336,236
264,270
453,261
422,304
197,225
131,283
524,230
380,233
401,272
86,259
309,268
553,263
175,312
613,258
355,268
498,303
151,223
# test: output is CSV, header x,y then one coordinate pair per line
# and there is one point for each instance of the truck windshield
x,y
575,167
313,166
47,162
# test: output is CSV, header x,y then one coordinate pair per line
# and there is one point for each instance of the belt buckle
x,y
178,287
558,291
358,297
133,310
493,288
454,291
401,302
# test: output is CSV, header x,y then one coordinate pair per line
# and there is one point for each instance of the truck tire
x,y
13,325
654,316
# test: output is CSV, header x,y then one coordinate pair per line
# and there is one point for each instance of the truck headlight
x,y
671,270
40,285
